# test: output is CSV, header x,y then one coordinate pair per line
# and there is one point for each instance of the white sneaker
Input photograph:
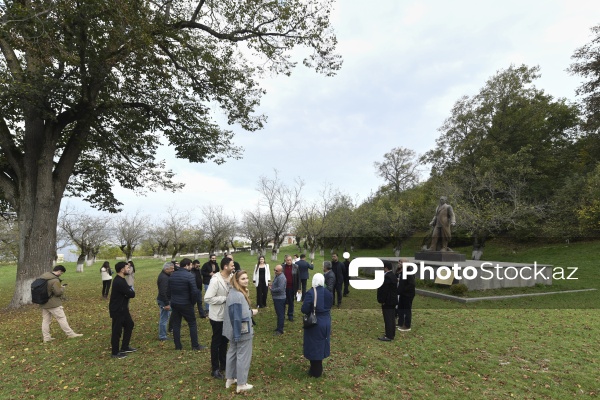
x,y
240,388
75,335
229,382
403,329
49,340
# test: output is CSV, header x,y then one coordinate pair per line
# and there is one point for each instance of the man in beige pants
x,y
53,308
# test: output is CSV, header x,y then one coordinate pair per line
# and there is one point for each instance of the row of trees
x,y
512,160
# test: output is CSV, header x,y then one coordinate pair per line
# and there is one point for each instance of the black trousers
x,y
316,368
199,305
185,311
405,311
261,295
121,322
218,346
290,299
346,285
303,281
389,319
106,287
338,291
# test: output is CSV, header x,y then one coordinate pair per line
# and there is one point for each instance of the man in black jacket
x,y
338,270
198,277
346,271
303,267
329,276
164,299
388,298
406,294
118,308
208,269
292,287
184,294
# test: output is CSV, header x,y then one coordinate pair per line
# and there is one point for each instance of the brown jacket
x,y
55,290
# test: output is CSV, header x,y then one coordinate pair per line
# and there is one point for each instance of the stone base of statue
x,y
431,255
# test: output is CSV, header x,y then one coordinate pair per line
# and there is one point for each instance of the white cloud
x,y
405,65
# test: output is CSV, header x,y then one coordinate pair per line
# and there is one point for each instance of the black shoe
x,y
200,347
128,350
203,316
277,333
291,319
119,355
217,374
385,339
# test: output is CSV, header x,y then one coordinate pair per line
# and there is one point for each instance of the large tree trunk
x,y
80,263
37,238
37,207
40,187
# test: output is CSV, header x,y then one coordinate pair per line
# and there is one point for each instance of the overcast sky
x,y
405,64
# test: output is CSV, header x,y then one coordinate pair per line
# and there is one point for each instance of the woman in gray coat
x,y
237,327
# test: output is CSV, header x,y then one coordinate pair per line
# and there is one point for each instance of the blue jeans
x,y
280,311
163,321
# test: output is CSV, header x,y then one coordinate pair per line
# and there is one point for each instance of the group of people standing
x,y
228,309
227,305
231,314
396,296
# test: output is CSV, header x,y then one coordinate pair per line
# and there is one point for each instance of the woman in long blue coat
x,y
317,338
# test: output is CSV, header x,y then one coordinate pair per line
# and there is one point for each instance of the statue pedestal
x,y
430,255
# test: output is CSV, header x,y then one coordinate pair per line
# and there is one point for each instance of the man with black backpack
x,y
53,306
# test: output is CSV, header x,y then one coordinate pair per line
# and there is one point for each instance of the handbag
x,y
310,320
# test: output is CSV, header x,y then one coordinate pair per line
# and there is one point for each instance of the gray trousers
x,y
239,356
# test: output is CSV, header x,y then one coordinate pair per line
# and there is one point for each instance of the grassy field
x,y
535,348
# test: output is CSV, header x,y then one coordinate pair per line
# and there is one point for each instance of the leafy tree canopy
x,y
90,88
103,83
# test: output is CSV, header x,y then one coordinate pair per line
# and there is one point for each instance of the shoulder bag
x,y
310,320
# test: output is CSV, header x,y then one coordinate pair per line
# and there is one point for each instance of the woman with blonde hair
x,y
237,327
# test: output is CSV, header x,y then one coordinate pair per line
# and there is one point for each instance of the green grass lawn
x,y
543,347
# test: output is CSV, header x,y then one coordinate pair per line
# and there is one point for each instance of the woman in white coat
x,y
261,279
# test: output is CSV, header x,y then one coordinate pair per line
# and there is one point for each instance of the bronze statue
x,y
441,223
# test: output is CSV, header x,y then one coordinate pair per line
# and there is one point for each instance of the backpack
x,y
39,291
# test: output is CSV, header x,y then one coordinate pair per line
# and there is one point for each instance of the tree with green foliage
x,y
504,151
588,211
400,170
89,90
587,65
